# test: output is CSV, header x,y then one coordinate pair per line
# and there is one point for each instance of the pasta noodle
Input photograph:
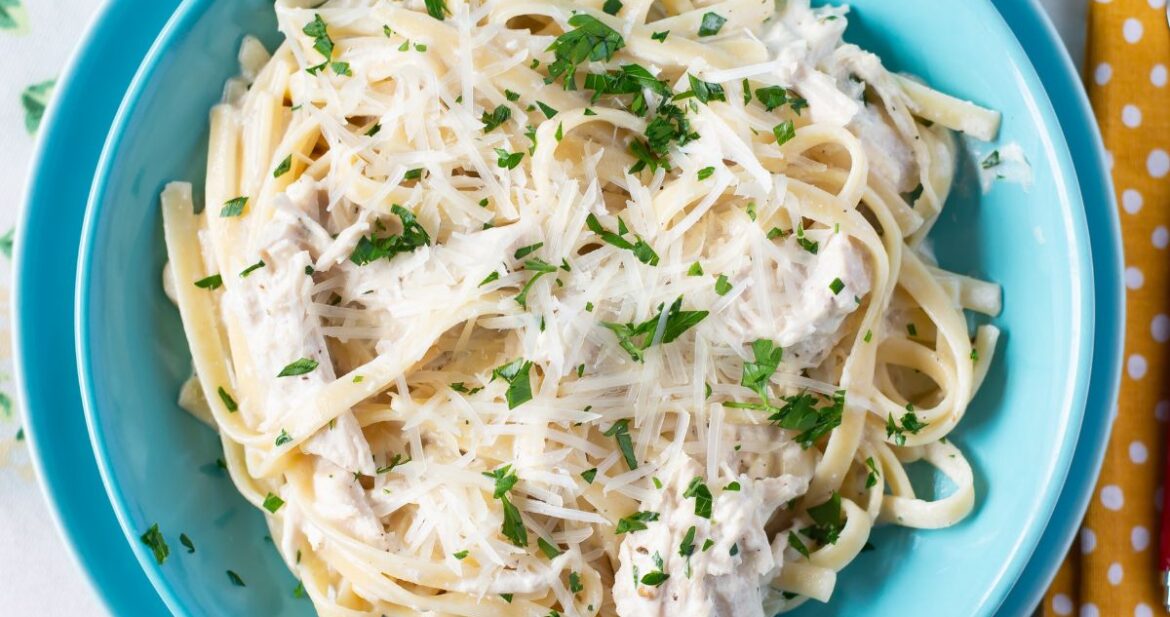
x,y
519,307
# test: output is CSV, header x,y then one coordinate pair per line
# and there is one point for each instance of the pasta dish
x,y
598,307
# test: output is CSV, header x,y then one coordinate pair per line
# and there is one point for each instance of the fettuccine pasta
x,y
538,307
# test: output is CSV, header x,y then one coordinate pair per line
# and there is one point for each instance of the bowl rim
x,y
1075,386
1078,123
67,518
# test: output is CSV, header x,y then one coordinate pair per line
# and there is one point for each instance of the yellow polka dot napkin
x,y
1112,568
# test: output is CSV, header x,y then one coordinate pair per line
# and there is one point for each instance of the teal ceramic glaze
x,y
1056,69
86,99
1020,434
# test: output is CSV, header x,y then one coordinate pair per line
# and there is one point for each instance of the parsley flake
x,y
298,367
516,374
635,522
712,24
153,539
233,207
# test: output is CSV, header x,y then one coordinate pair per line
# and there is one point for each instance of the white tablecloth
x,y
37,575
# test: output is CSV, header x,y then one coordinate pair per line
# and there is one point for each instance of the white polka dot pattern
x,y
1132,201
1131,116
1161,237
1138,452
1158,75
1114,573
1134,279
1158,163
1111,497
1088,540
1136,366
1160,328
1132,30
1139,538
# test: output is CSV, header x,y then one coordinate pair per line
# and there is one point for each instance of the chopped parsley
x,y
795,542
911,329
722,285
541,268
660,36
508,160
828,519
283,167
413,174
612,6
525,251
804,242
992,160
640,248
784,132
461,555
799,413
669,125
341,68
372,248
437,9
686,548
635,522
702,495
462,388
871,479
635,338
319,31
282,438
298,367
513,527
548,112
214,281
397,460
187,543
516,373
767,360
590,40
272,503
233,207
836,286
910,423
696,269
252,268
655,578
154,540
374,130
706,172
492,121
732,487
511,96
589,474
494,276
575,585
704,91
772,97
549,549
229,403
712,24
620,431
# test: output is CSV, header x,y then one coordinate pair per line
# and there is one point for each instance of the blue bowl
x,y
1020,434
